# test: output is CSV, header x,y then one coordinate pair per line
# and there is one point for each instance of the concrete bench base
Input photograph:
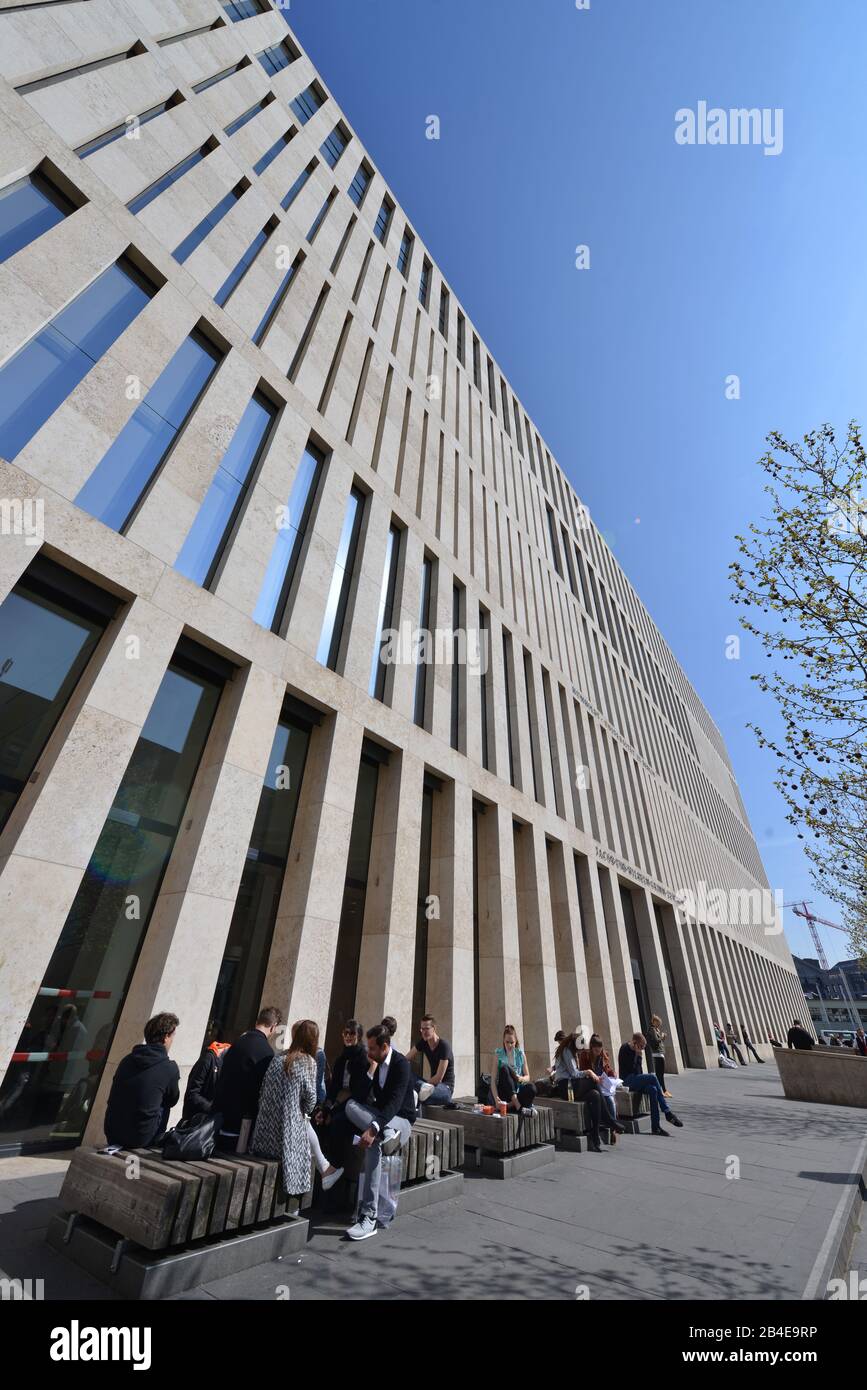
x,y
824,1075
516,1164
424,1194
135,1273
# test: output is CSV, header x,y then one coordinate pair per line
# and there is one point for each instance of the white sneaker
x,y
362,1230
424,1090
330,1179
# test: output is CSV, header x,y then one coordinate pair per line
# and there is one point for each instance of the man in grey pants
x,y
384,1124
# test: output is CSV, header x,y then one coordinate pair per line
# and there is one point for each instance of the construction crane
x,y
802,910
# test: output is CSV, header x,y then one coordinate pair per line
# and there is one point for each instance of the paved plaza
x,y
653,1218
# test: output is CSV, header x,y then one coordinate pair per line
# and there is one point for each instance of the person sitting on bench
x,y
384,1123
242,1072
440,1059
145,1087
574,1083
350,1078
593,1058
286,1101
630,1064
510,1078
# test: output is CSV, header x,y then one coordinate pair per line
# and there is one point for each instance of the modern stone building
x,y
248,432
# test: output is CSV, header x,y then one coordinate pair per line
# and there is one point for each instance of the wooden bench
x,y
570,1116
632,1106
504,1146
430,1169
154,1227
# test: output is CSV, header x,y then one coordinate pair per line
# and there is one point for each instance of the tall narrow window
x,y
50,624
462,330
77,1006
404,255
529,694
237,273
244,9
273,151
297,186
430,787
118,132
444,312
485,685
509,682
153,190
273,605
458,665
118,484
274,306
492,394
328,651
505,400
185,248
219,514
385,619
424,283
477,364
552,537
334,144
424,653
383,219
28,208
238,995
347,957
307,103
278,56
360,184
46,370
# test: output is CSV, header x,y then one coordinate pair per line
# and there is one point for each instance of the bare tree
x,y
803,579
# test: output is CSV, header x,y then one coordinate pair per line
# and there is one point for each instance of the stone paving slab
x,y
653,1218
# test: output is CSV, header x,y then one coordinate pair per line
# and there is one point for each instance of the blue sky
x,y
557,129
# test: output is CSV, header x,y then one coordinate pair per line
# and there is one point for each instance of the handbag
x,y
193,1139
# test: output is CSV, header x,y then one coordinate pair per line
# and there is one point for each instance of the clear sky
x,y
557,129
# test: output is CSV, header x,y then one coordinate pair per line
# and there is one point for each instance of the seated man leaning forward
x,y
440,1060
384,1123
630,1064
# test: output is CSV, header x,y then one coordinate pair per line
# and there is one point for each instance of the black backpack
x,y
483,1090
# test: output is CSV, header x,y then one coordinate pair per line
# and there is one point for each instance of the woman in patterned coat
x,y
286,1101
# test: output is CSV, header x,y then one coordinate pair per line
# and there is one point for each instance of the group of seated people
x,y
582,1073
289,1105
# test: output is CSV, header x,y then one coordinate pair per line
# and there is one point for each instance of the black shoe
x,y
659,1130
673,1120
594,1146
618,1129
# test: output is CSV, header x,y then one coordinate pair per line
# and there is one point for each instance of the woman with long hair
x,y
573,1082
286,1102
656,1036
593,1058
510,1078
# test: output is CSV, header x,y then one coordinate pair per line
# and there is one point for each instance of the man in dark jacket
x,y
630,1066
242,1072
799,1038
145,1087
384,1124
